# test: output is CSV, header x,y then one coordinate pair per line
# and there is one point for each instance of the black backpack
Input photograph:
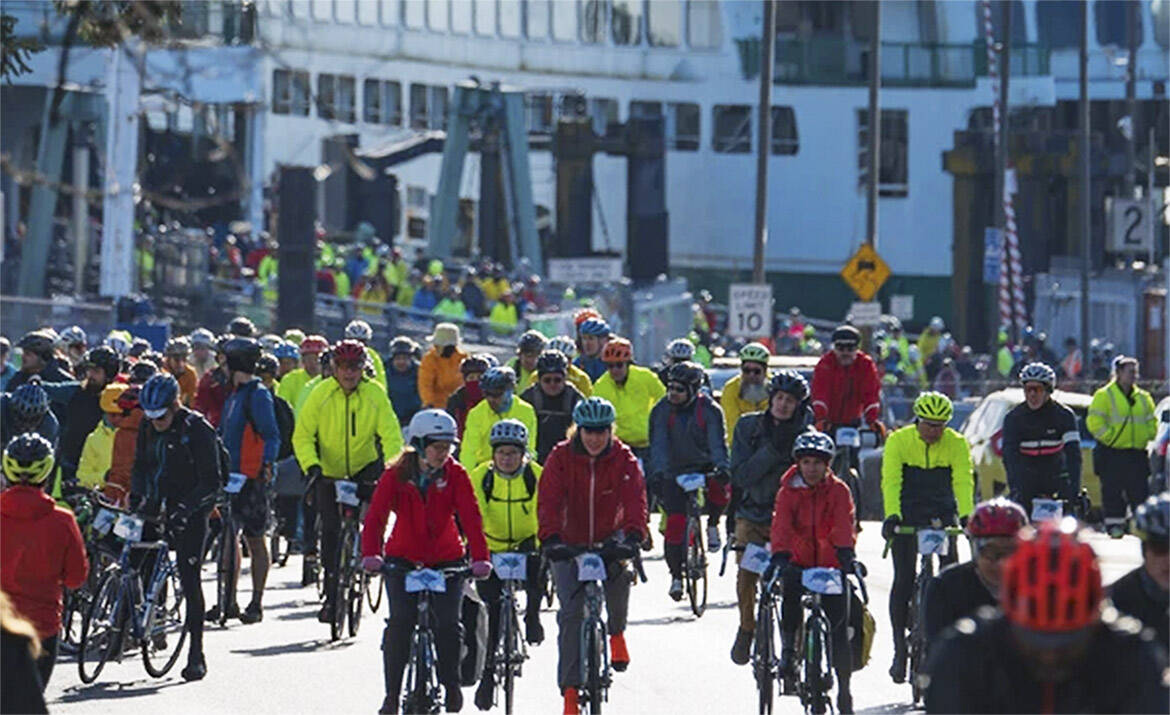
x,y
223,458
489,480
285,422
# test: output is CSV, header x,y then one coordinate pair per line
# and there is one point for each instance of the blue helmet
x,y
595,412
813,443
158,394
509,432
287,351
498,378
1151,520
594,326
29,403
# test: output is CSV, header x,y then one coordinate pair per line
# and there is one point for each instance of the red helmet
x,y
1052,583
349,352
996,517
617,350
314,344
585,314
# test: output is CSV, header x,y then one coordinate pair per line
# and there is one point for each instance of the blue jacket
x,y
402,387
6,375
425,300
250,403
593,366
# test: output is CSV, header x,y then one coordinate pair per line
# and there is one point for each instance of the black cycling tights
x,y
904,551
791,611
188,557
444,614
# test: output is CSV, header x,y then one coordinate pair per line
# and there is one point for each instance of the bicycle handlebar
x,y
393,567
911,530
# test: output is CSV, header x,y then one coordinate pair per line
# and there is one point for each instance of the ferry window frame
x,y
290,103
462,10
329,99
600,31
440,103
1160,22
680,30
1019,20
390,13
477,7
368,13
345,13
645,108
674,139
739,142
894,152
1053,25
300,9
601,115
637,21
419,106
414,14
326,12
388,113
712,10
539,114
784,143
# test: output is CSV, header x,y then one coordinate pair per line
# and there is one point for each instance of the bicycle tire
x,y
509,631
550,587
595,653
225,573
168,608
277,554
696,567
103,626
341,588
765,656
917,643
359,582
817,669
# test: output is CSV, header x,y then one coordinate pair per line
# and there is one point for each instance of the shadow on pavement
x,y
301,647
110,691
890,709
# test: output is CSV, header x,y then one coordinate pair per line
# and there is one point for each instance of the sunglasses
x,y
752,370
845,347
552,379
677,388
595,430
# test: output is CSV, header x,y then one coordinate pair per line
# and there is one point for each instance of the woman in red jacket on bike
x,y
426,489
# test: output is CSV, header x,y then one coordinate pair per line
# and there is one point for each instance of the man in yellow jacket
x,y
438,373
747,391
499,403
1121,418
633,390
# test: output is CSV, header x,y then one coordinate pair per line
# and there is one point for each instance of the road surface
x,y
680,664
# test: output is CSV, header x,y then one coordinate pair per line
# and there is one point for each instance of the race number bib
x,y
755,558
511,566
129,528
235,483
590,567
823,581
1043,509
426,580
691,482
346,492
933,542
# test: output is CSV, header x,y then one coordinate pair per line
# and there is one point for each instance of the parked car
x,y
1159,452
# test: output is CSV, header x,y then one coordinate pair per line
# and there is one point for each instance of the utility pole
x,y
1086,186
764,135
1131,31
874,124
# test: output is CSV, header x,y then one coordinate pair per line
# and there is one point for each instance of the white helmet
x,y
359,330
202,337
435,425
680,349
937,323
73,335
564,344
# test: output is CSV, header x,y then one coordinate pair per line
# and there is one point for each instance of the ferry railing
x,y
22,315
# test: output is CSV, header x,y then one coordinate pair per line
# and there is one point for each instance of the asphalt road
x,y
287,664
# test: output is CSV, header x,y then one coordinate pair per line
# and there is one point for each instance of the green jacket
x,y
632,402
1122,422
341,433
509,516
290,386
475,449
923,481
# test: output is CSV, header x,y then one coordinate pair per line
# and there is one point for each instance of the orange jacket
x,y
439,376
188,384
122,463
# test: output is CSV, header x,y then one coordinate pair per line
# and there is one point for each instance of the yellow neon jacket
x,y
1117,422
734,406
475,448
509,517
921,482
96,456
338,431
632,402
290,386
379,366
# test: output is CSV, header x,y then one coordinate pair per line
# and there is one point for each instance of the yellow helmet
x,y
28,459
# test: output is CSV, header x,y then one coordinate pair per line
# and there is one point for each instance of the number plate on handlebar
x,y
824,581
346,492
1043,509
848,437
235,482
511,566
755,558
425,580
590,567
129,528
104,521
933,541
691,482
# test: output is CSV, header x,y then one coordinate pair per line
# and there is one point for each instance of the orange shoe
x,y
572,707
619,657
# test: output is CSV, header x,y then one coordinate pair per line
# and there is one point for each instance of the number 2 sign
x,y
1129,231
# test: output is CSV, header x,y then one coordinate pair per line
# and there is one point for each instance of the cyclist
x,y
291,385
761,451
747,391
26,409
175,362
72,342
846,389
499,403
241,327
438,372
926,477
213,386
125,447
591,492
592,335
812,527
686,435
41,549
506,489
38,357
960,590
1041,442
83,408
427,490
470,393
1144,593
178,471
575,375
528,349
288,477
1053,649
288,358
553,399
1121,418
202,351
361,331
402,378
633,390
346,429
252,436
97,453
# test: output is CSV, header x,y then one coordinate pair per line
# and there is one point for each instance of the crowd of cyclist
x,y
573,445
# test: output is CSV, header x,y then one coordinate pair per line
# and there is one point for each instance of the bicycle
x,y
814,641
846,465
932,540
695,566
764,658
352,580
87,507
227,553
510,650
122,614
279,544
423,692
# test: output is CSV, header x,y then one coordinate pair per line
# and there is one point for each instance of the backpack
x,y
223,459
285,422
489,480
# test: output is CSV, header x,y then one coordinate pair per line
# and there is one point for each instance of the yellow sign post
x,y
865,272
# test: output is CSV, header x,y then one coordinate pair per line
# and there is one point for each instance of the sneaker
x,y
898,669
233,611
676,589
619,656
844,703
196,669
252,614
741,649
454,699
714,542
572,706
485,694
325,615
389,705
533,630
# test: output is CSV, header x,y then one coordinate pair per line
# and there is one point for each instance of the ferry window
x,y
415,13
382,102
1019,29
732,133
682,126
367,12
418,106
627,22
704,25
1112,19
537,25
784,138
645,109
372,101
593,21
461,17
322,9
437,15
485,17
664,23
603,112
893,174
335,97
1160,10
1057,25
509,12
300,8
438,107
391,12
540,113
346,12
290,92
564,20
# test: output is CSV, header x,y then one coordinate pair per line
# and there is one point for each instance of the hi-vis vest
x,y
1122,422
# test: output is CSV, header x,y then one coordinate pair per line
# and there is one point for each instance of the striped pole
x,y
1004,297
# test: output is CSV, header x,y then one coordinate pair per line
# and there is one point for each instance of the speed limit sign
x,y
749,313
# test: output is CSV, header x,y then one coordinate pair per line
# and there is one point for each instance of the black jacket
x,y
761,451
553,416
956,592
1039,445
1135,594
980,670
180,465
84,412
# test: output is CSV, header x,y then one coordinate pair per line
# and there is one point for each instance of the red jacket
x,y
425,531
843,395
585,500
811,523
41,551
211,395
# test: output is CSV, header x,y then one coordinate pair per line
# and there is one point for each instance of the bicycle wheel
x,y
696,567
225,572
277,546
550,586
765,656
341,593
917,637
101,630
164,633
374,592
815,682
357,589
595,663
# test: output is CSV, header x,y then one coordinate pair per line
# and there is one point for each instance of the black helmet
x,y
142,371
789,381
846,335
474,363
552,361
138,348
29,403
688,373
402,345
241,327
38,342
531,342
267,365
242,354
106,359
